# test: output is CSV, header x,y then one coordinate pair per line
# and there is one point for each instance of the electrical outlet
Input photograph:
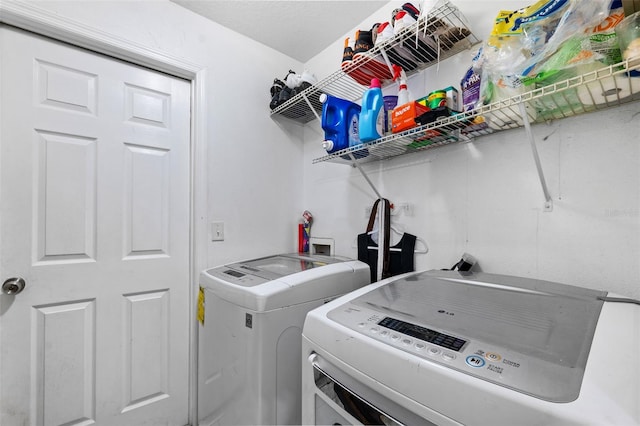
x,y
402,208
406,208
217,231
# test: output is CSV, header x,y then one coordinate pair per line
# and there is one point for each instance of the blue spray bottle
x,y
372,113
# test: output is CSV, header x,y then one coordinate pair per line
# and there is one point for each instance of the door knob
x,y
13,286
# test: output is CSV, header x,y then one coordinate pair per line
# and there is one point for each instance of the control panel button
x,y
407,341
395,337
448,356
362,324
384,333
420,346
475,361
492,356
433,351
374,330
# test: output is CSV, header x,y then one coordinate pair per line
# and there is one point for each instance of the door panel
x,y
94,215
64,375
146,348
146,201
65,191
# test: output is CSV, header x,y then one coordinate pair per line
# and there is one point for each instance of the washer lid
x,y
274,267
541,331
284,280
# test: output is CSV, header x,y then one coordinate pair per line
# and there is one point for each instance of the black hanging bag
x,y
397,259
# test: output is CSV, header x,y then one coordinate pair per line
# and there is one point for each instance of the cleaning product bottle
x,y
372,113
390,102
404,96
340,123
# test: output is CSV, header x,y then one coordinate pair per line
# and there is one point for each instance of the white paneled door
x,y
94,217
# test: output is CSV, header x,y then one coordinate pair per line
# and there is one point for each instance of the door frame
x,y
40,21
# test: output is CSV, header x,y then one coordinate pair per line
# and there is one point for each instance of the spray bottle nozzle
x,y
397,71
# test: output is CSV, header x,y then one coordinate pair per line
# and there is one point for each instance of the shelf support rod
x,y
548,204
304,96
354,163
386,60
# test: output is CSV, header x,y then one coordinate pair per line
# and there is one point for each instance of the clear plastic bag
x,y
528,41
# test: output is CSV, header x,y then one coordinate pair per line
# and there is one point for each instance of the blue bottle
x,y
372,113
340,123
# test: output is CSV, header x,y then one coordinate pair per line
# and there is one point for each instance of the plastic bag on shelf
x,y
603,38
522,41
582,53
573,58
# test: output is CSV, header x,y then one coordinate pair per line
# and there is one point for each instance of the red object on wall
x,y
300,238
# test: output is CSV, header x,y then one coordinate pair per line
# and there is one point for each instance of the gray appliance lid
x,y
547,327
277,266
550,321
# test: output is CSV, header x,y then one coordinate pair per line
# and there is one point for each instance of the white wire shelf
x,y
596,90
445,26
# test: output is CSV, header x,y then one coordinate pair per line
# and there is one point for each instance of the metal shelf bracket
x,y
386,60
306,99
364,174
548,203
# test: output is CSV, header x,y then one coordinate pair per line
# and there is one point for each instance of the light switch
x,y
217,231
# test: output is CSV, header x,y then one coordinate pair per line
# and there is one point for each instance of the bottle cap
x,y
375,83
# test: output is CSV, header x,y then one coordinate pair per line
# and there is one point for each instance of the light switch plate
x,y
217,231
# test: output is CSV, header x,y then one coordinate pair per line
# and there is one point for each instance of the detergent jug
x,y
372,113
339,121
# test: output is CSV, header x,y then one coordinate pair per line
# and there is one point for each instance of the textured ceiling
x,y
299,29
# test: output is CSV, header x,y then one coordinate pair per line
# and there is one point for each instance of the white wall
x,y
482,197
485,197
254,162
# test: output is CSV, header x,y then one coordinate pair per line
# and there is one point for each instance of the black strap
x,y
363,240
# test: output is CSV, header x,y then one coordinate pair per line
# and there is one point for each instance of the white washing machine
x,y
250,340
451,348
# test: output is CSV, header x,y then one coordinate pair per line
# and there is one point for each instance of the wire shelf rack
x,y
440,34
599,89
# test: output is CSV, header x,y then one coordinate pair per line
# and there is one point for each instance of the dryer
x,y
250,333
450,348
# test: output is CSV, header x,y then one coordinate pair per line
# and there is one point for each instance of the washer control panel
x,y
244,278
423,333
461,353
